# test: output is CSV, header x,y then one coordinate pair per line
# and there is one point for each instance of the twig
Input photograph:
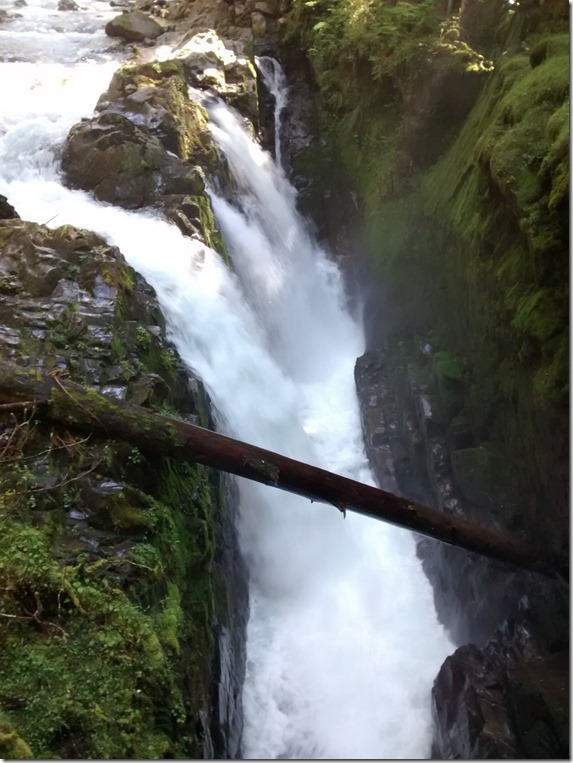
x,y
16,406
65,481
35,619
46,452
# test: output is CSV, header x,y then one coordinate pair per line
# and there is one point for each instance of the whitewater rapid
x,y
343,641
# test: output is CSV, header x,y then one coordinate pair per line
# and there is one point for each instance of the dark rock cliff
x,y
447,126
125,590
109,558
515,625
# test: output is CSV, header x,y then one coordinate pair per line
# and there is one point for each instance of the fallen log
x,y
79,407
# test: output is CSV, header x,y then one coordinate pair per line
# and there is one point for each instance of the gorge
x,y
222,619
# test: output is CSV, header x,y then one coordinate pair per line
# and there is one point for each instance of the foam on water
x,y
343,639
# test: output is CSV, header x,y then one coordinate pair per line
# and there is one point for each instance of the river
x,y
343,641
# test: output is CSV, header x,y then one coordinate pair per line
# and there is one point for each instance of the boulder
x,y
214,63
154,96
68,5
123,164
7,211
506,700
134,26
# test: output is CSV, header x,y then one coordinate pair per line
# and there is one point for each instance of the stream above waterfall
x,y
343,641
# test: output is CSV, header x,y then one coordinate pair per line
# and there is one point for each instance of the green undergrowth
x,y
374,62
477,260
468,226
106,561
106,640
354,46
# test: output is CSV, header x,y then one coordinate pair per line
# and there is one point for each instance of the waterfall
x,y
275,82
343,639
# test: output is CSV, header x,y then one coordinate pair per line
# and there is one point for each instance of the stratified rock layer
x,y
120,571
515,665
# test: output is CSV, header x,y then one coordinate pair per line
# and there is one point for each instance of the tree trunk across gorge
x,y
66,402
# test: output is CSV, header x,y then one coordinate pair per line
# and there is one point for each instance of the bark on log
x,y
82,408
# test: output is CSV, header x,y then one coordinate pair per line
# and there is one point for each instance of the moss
x,y
211,232
12,746
5,235
183,125
64,614
470,237
131,614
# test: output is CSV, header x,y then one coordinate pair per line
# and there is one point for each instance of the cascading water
x,y
275,82
343,640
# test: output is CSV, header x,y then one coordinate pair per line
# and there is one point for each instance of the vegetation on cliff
x,y
453,124
107,572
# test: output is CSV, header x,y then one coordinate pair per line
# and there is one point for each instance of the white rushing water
x,y
275,82
343,640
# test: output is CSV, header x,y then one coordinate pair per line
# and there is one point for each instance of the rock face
x,y
7,211
122,164
514,625
149,145
407,447
104,551
134,26
508,700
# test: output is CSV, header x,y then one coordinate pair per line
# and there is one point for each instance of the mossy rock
x,y
447,366
12,746
123,164
106,551
155,95
472,469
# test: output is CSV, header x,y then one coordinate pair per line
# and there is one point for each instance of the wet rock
x,y
134,26
258,24
7,211
68,5
506,700
6,17
66,294
148,390
469,709
185,212
394,388
143,531
219,64
154,96
123,164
